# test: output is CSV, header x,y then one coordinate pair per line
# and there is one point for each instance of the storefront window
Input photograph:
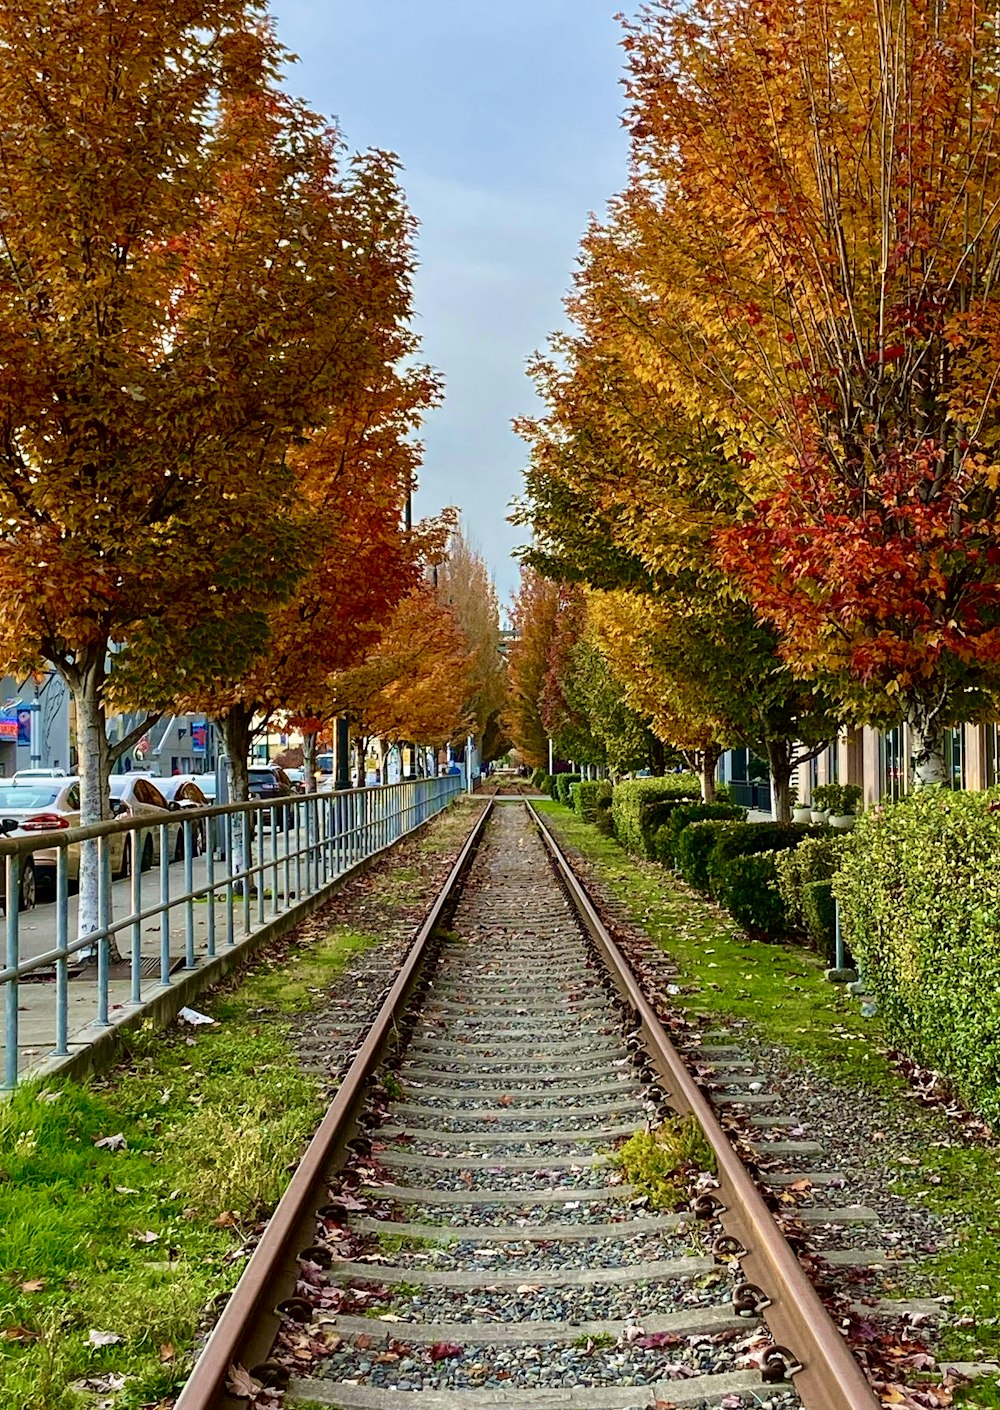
x,y
892,765
954,756
991,762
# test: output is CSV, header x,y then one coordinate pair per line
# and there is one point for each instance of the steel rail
x,y
244,1321
828,1378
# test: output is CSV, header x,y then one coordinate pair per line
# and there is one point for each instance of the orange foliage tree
x,y
813,219
415,684
183,285
465,585
352,477
534,619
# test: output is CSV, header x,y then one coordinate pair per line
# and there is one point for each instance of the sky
x,y
506,117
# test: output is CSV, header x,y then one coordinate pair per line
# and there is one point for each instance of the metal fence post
x,y
13,882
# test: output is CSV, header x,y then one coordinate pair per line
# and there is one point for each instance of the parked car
x,y
51,805
205,783
27,892
271,782
296,778
30,775
186,791
138,797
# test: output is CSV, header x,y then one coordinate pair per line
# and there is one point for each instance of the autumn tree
x,y
416,682
181,249
533,616
626,493
465,585
352,478
812,227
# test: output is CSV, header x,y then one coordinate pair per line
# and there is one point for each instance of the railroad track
x,y
457,1234
497,786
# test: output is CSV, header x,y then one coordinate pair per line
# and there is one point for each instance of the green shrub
x,y
563,784
574,790
820,918
585,798
694,847
637,812
836,798
662,1164
814,859
553,787
540,779
920,908
603,820
743,839
750,894
666,836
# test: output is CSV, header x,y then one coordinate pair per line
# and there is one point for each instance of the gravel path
x,y
464,1136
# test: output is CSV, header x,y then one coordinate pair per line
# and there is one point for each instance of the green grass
x,y
136,1241
661,1164
297,988
782,993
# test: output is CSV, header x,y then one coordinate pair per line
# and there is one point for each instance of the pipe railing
x,y
255,861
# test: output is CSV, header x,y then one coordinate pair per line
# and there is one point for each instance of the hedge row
x,y
641,805
919,893
774,878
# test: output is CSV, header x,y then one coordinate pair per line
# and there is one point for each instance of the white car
x,y
137,796
189,791
52,805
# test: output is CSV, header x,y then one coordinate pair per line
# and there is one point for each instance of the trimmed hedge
x,y
820,919
563,784
585,798
638,807
540,779
920,907
681,814
743,839
694,847
733,883
602,816
750,893
814,859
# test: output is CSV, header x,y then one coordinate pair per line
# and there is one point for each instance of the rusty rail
x,y
828,1377
247,1325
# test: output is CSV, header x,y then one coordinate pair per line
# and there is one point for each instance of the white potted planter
x,y
819,815
802,813
843,822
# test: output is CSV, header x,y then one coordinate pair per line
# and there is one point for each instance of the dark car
x,y
270,782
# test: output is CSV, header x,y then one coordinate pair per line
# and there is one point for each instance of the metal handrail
x,y
314,838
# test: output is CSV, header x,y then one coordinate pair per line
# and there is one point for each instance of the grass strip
x,y
782,993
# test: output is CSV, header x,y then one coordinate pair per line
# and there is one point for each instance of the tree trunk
x,y
779,759
94,766
236,735
309,740
926,741
709,760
